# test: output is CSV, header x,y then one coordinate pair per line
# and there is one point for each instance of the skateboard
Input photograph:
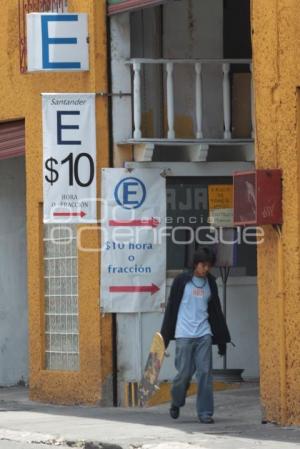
x,y
149,381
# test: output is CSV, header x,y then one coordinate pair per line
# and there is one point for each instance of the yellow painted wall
x,y
20,97
276,54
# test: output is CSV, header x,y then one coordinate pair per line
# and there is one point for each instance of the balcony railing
x,y
169,66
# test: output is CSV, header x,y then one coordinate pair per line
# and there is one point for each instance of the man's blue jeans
x,y
194,355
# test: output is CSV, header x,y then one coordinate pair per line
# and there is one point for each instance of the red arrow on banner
x,y
69,214
146,222
134,289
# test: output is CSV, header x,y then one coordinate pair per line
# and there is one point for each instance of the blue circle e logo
x,y
130,193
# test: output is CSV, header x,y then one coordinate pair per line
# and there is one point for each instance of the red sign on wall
x,y
257,197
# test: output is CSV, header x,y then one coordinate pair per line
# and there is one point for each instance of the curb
x,y
52,440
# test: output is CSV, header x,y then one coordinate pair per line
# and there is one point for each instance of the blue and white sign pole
x,y
133,224
57,42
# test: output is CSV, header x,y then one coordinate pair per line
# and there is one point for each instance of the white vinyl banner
x,y
69,158
57,42
133,266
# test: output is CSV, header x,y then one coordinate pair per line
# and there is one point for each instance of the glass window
x,y
187,216
61,298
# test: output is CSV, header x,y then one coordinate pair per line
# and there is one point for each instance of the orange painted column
x,y
21,97
276,57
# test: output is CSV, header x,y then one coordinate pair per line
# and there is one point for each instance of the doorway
x,y
13,263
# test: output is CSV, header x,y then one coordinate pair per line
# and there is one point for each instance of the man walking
x,y
194,318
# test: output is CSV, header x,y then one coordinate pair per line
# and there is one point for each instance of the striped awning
x,y
118,6
12,139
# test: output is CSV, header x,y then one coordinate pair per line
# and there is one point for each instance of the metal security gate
x,y
12,139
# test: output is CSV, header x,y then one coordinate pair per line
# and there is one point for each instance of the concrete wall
x,y
194,29
120,46
181,30
22,99
242,321
276,53
13,274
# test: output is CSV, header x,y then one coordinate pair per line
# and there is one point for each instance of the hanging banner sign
x,y
69,160
220,205
133,266
57,42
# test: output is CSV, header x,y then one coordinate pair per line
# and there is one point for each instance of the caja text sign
x,y
57,42
133,265
69,158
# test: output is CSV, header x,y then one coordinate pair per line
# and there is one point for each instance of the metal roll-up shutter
x,y
12,139
118,6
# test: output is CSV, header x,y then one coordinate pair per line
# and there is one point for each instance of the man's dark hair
x,y
204,255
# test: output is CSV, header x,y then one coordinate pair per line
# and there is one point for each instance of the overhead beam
x,y
119,6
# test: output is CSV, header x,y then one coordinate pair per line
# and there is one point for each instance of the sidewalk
x,y
238,424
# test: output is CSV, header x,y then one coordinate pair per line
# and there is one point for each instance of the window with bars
x,y
61,298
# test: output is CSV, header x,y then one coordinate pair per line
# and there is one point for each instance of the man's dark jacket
x,y
216,318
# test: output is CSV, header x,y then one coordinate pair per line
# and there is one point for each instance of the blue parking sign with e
x,y
130,193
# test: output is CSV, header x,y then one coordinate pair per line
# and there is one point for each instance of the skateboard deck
x,y
149,381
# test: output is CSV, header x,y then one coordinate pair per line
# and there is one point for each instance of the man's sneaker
x,y
206,420
174,411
